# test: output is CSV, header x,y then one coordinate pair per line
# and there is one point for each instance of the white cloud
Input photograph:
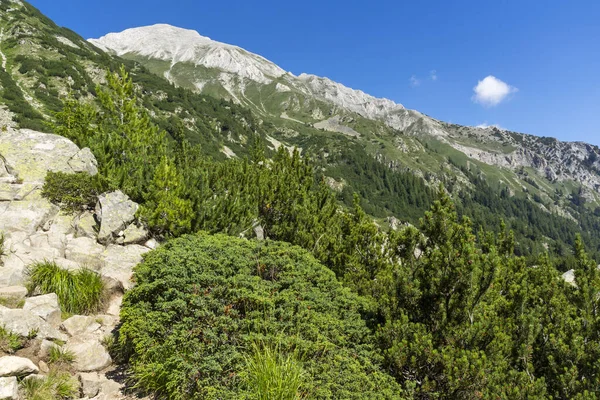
x,y
486,125
491,91
414,81
433,75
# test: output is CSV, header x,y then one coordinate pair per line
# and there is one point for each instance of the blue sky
x,y
544,55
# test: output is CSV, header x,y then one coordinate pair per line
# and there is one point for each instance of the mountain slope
x,y
204,65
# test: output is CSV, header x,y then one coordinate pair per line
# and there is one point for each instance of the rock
x,y
86,226
91,382
80,325
151,244
89,353
84,161
9,388
112,286
115,211
14,293
45,347
17,366
120,260
569,277
85,251
25,216
30,155
44,368
259,232
24,322
45,306
114,306
134,234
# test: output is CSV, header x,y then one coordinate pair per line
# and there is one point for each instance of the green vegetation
x,y
73,192
9,341
79,292
273,375
59,356
57,385
202,301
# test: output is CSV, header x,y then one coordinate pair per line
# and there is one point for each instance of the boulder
x,y
85,251
120,260
89,353
25,216
115,211
14,293
17,366
9,388
80,325
44,368
114,306
24,322
84,161
569,277
86,226
30,155
46,307
134,234
151,244
91,382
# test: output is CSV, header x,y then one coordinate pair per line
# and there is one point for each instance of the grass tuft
x,y
79,292
272,375
10,342
56,386
59,356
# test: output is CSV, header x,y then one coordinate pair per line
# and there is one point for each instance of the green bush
x,y
201,302
79,292
9,341
73,192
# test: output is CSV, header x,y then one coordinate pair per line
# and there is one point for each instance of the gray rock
x,y
24,322
89,353
80,325
30,155
569,277
85,251
17,366
259,232
120,260
13,292
151,244
25,216
114,306
86,226
91,382
9,388
46,307
115,211
44,368
134,234
84,161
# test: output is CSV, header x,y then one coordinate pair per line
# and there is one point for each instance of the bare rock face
x,y
17,366
89,353
24,323
46,307
9,388
80,325
115,211
15,293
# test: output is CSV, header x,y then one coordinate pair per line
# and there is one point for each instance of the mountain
x,y
522,163
221,96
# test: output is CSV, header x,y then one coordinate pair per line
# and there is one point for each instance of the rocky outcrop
x,y
17,366
107,241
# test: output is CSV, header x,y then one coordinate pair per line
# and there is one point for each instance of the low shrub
x,y
73,192
201,302
79,292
